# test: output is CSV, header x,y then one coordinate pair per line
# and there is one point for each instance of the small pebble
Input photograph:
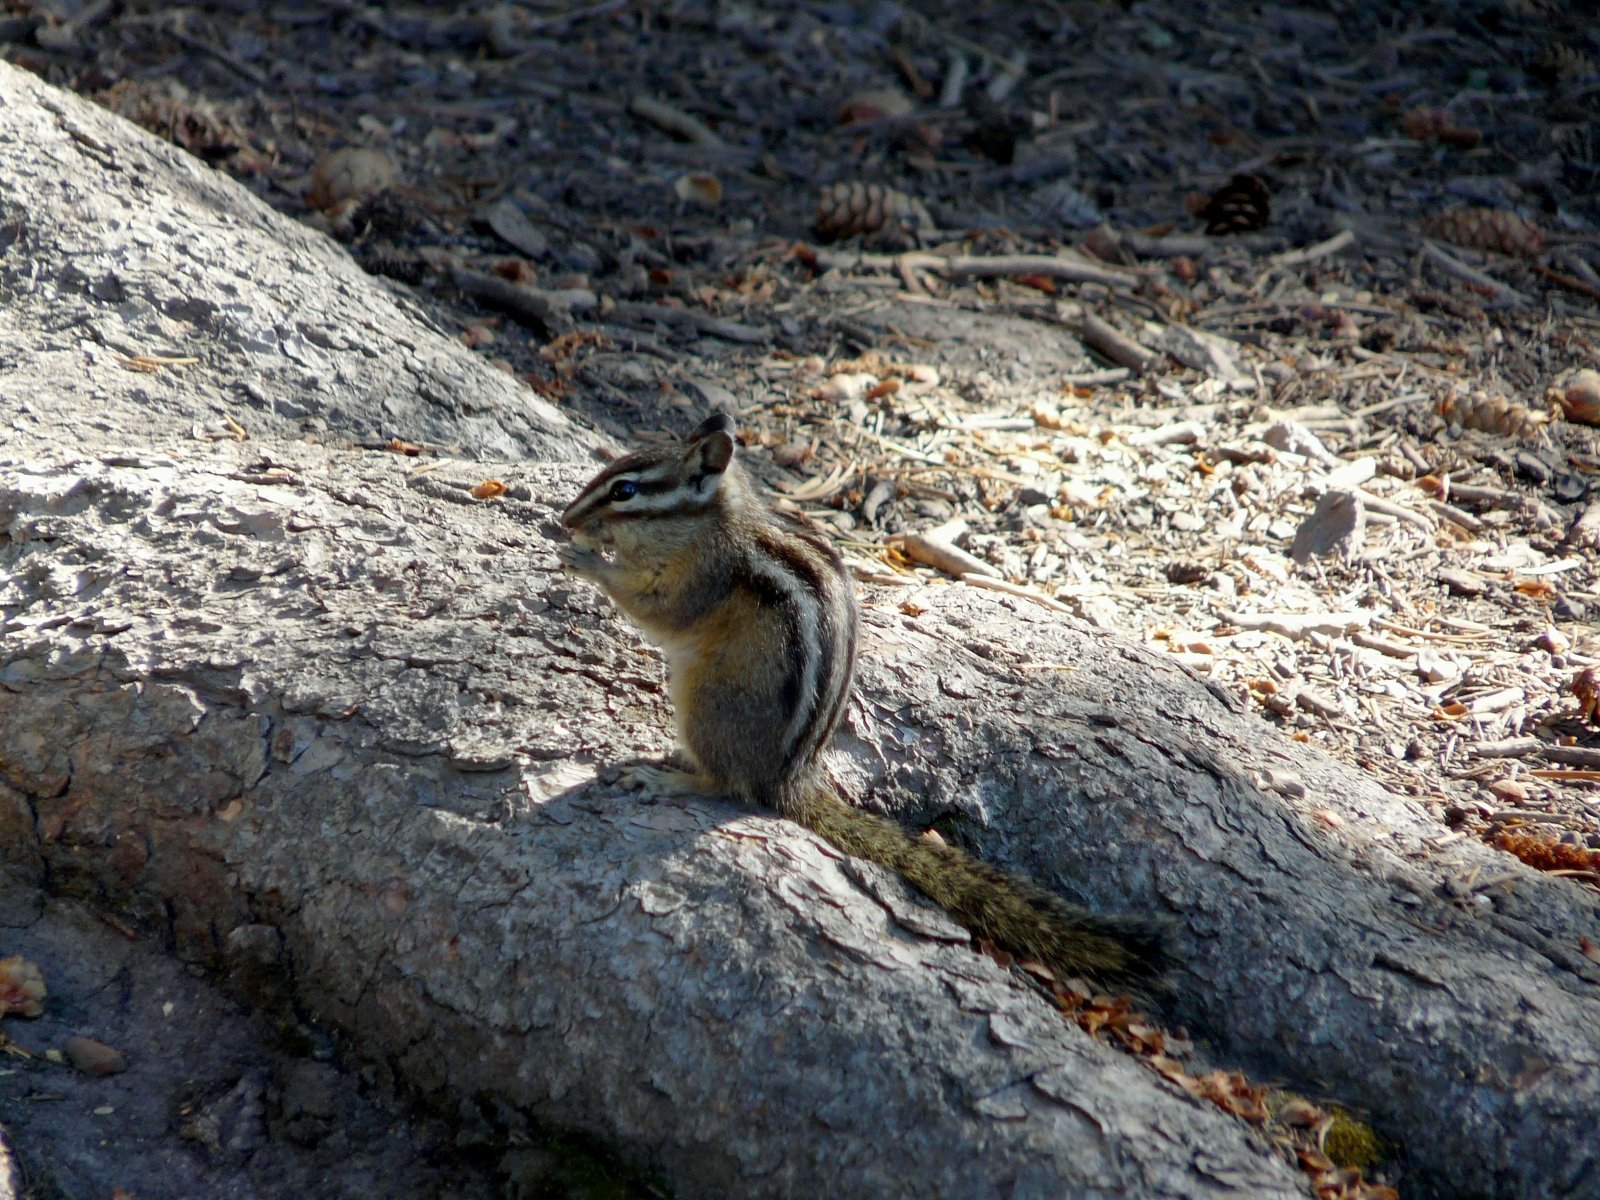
x,y
94,1058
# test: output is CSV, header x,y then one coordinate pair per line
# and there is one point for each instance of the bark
x,y
327,700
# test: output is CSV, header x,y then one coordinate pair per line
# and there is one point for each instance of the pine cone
x,y
869,209
1493,414
386,259
1242,205
1487,229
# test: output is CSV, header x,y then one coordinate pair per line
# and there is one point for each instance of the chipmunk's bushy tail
x,y
1014,913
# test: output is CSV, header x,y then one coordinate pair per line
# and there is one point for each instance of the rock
x,y
1291,437
94,1058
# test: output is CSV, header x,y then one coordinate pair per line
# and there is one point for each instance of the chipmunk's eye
x,y
624,489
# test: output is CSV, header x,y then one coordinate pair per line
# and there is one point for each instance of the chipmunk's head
x,y
657,495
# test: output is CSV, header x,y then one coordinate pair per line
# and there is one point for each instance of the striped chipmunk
x,y
757,617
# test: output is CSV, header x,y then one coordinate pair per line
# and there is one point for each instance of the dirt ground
x,y
1257,332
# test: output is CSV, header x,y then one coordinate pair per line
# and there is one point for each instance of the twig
x,y
1457,516
1508,748
1401,512
539,310
1053,266
1525,814
675,121
1068,267
1499,295
173,24
728,331
1181,433
955,81
1573,756
911,452
1570,282
1298,625
560,20
1097,378
1015,589
1007,76
1382,645
1293,258
1476,493
936,548
1117,346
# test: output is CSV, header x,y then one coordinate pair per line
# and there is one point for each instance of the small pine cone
x,y
1242,205
383,258
869,209
1493,414
1559,65
1487,229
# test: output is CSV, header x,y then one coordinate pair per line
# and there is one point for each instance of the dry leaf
x,y
1435,125
1586,687
489,489
699,187
151,364
22,989
875,104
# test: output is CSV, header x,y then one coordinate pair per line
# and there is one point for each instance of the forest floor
x,y
1256,332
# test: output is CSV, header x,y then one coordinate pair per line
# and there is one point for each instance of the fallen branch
x,y
1496,294
630,313
1101,336
675,121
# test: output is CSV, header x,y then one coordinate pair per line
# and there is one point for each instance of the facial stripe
x,y
661,488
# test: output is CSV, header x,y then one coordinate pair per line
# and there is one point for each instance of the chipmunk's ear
x,y
710,448
717,422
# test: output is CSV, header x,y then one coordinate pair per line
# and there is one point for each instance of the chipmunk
x,y
757,617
